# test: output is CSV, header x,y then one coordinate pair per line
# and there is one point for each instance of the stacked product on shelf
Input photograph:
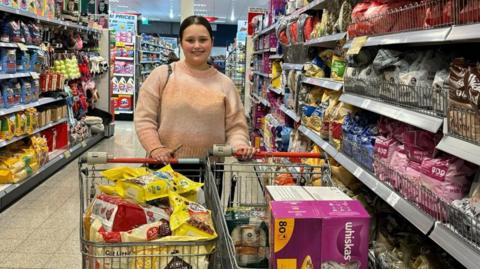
x,y
46,86
153,52
378,111
235,66
124,75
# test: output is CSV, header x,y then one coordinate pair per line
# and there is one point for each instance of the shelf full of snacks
x,y
235,65
392,109
48,85
123,45
152,53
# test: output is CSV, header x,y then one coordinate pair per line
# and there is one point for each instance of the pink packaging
x,y
319,234
419,144
384,149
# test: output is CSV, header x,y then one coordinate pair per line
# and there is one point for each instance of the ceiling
x,y
227,11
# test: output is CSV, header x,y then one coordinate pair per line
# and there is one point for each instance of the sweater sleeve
x,y
148,107
236,128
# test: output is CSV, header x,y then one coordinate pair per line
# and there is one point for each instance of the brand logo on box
x,y
348,242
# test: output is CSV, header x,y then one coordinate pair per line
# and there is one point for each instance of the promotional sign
x,y
241,32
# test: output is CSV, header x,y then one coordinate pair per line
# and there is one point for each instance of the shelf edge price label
x,y
393,199
357,45
34,75
67,154
84,144
366,103
120,44
358,172
22,47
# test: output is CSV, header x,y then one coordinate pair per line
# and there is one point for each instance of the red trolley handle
x,y
270,154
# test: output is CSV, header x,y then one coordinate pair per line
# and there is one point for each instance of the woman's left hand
x,y
245,152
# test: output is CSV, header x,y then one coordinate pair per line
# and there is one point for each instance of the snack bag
x,y
190,219
171,257
20,124
119,215
120,173
181,184
338,67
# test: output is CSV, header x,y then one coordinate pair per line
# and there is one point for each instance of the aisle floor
x,y
42,229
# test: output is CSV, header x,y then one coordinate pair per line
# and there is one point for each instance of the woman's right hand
x,y
164,155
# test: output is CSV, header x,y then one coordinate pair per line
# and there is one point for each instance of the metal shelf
x,y
456,246
273,50
289,66
151,52
155,45
324,83
18,138
151,62
314,5
261,100
15,45
40,102
13,192
464,33
276,57
18,75
262,74
118,112
265,31
290,113
460,148
329,41
422,121
275,90
122,93
45,19
417,217
122,75
124,58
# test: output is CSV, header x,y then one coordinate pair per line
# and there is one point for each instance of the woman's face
x,y
196,44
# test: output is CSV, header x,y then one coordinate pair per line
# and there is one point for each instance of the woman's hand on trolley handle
x,y
163,155
244,153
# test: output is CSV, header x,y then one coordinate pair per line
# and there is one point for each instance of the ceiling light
x,y
232,17
171,13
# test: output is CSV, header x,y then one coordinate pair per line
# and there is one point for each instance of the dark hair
x,y
195,20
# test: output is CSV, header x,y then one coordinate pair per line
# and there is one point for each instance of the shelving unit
x,y
423,121
324,83
275,90
11,192
58,158
424,117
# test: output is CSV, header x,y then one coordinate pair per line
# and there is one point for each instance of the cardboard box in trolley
x,y
319,234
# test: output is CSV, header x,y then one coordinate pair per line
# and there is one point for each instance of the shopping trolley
x,y
242,184
145,255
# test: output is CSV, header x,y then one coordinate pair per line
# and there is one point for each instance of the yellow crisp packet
x,y
121,173
181,183
144,188
190,218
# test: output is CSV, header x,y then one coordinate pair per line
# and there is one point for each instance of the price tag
x,y
22,46
366,103
84,144
67,154
120,44
357,172
357,45
34,75
374,188
393,199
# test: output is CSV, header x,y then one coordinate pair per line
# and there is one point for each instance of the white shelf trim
x,y
324,83
460,148
420,120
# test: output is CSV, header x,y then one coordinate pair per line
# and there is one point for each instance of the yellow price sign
x,y
357,44
120,44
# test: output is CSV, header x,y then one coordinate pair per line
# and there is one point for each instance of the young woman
x,y
192,105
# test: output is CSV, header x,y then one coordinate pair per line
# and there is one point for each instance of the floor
x,y
42,229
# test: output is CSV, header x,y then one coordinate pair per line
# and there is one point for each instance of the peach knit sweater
x,y
195,108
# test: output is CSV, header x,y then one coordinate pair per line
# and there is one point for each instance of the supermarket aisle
x,y
42,229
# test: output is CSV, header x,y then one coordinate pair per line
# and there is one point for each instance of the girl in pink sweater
x,y
195,106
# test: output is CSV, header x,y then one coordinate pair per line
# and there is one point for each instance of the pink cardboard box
x,y
319,234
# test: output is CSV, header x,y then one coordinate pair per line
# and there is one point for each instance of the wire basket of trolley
x,y
242,195
135,217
